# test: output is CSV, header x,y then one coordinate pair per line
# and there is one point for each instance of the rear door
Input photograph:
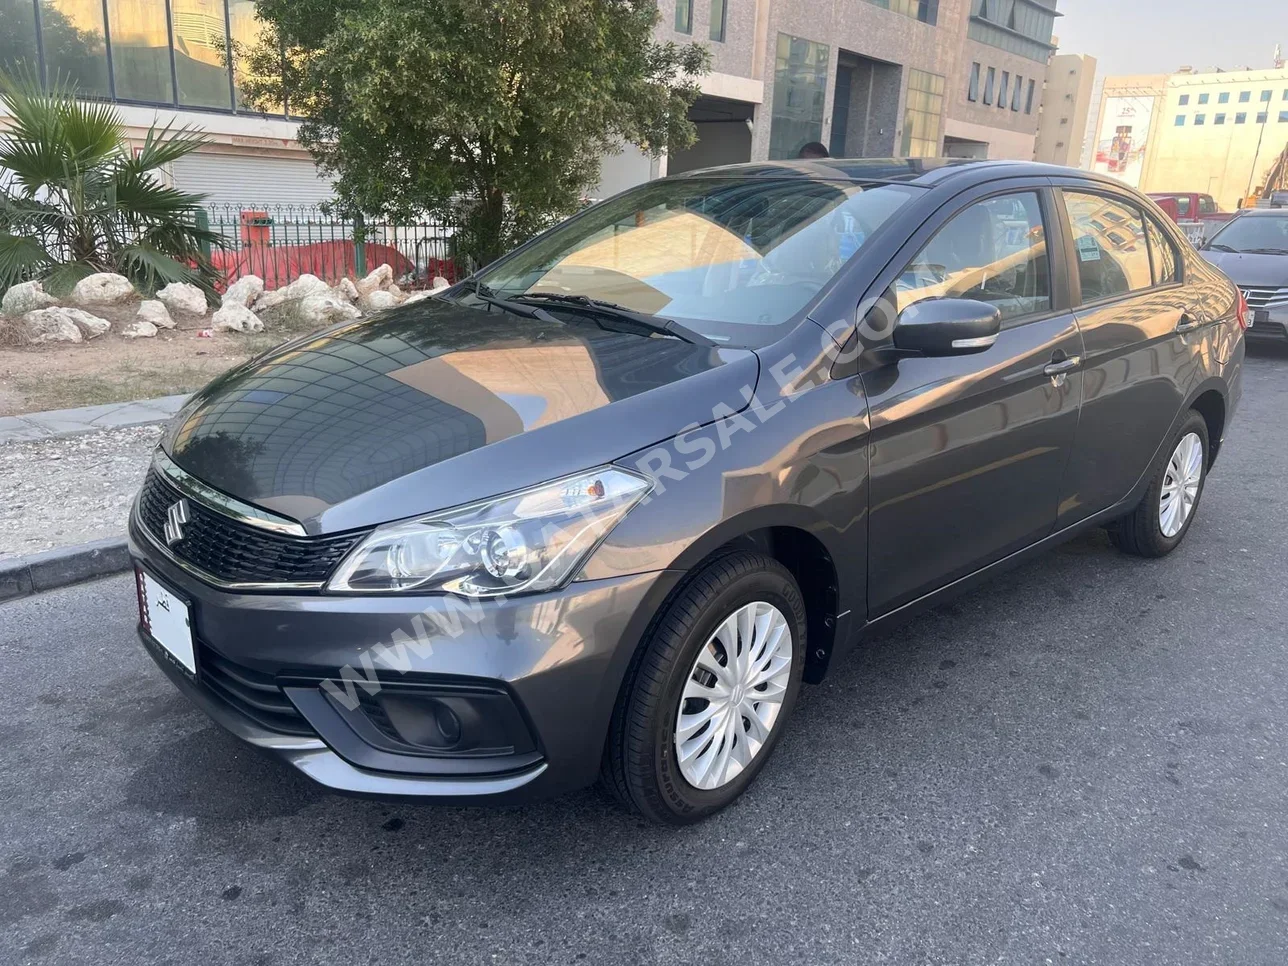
x,y
1125,274
968,453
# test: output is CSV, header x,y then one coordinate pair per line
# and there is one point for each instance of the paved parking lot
x,y
1084,762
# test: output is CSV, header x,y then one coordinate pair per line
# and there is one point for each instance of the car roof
x,y
922,172
1263,212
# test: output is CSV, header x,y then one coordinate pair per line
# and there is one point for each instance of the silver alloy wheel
x,y
733,695
1181,484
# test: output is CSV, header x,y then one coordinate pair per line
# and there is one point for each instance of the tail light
x,y
1241,313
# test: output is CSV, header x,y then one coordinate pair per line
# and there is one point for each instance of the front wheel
x,y
709,692
1158,525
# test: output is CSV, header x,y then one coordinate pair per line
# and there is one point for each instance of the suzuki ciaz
x,y
598,510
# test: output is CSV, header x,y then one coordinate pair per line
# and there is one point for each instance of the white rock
x,y
183,297
418,296
91,326
244,291
154,313
25,297
322,310
347,290
380,278
306,285
236,318
378,301
51,325
102,288
439,283
270,300
139,329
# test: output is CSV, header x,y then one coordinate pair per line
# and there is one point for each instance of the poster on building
x,y
1120,142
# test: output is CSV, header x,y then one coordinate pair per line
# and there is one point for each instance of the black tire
x,y
1140,533
639,767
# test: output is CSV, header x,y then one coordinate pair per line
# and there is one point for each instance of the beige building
x,y
1213,133
1065,108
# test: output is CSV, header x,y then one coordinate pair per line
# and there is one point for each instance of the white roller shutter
x,y
248,181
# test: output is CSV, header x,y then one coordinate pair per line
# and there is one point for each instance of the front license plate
x,y
1261,317
168,618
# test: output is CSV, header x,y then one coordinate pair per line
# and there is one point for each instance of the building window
x,y
927,11
1223,98
1021,27
247,31
75,48
1203,98
684,16
18,51
719,19
1245,96
1265,96
800,86
1262,117
972,92
1200,120
201,53
140,51
1219,119
1241,118
1283,117
1185,100
1028,103
1180,120
923,114
1004,90
1018,96
1286,94
988,85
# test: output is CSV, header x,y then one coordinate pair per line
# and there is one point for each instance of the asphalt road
x,y
1085,762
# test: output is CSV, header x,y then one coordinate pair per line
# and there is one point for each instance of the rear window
x,y
1110,246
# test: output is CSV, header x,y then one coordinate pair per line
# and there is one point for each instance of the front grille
x,y
235,552
1266,298
253,693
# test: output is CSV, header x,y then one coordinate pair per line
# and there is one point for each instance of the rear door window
x,y
1109,245
1163,254
1206,205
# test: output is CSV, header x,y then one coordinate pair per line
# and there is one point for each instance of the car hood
x,y
435,404
1251,271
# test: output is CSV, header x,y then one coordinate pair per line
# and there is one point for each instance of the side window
x,y
1183,207
1206,205
1109,242
1163,253
994,251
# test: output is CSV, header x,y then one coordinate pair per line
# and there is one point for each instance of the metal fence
x,y
279,243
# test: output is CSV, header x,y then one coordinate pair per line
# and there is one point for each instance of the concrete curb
x,y
38,572
61,423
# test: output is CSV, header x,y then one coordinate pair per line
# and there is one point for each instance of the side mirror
x,y
947,327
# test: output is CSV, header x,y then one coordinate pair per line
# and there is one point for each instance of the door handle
x,y
1187,323
1063,365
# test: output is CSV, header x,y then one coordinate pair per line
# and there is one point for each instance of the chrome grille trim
x,y
1265,298
221,502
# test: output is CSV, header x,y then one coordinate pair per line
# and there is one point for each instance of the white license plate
x,y
168,619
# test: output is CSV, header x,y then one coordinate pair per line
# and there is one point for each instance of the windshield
x,y
1254,233
728,258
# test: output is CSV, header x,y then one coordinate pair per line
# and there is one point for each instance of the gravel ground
x,y
1083,763
59,492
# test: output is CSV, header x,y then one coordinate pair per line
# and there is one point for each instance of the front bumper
x,y
550,665
1272,327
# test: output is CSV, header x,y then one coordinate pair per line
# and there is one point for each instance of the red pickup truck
x,y
1197,213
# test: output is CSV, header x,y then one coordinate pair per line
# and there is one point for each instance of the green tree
x,y
494,113
77,200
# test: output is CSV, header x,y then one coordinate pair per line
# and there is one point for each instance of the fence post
x,y
359,246
203,222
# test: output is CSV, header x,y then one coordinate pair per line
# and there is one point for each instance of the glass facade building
x,y
800,90
170,53
923,115
1021,27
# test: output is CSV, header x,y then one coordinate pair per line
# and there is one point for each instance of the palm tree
x,y
77,200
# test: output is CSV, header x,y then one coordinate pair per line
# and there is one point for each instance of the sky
x,y
1158,36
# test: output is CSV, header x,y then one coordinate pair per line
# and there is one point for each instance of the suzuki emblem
x,y
175,518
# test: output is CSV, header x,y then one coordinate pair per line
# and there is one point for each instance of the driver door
x,y
967,453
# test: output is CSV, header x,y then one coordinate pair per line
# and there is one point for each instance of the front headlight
x,y
527,541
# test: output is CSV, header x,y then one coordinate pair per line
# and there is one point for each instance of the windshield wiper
x,y
612,310
1221,248
485,294
1265,251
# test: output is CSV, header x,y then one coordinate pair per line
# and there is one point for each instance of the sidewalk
x,y
59,423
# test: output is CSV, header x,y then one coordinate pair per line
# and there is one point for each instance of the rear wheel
x,y
709,692
1159,523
